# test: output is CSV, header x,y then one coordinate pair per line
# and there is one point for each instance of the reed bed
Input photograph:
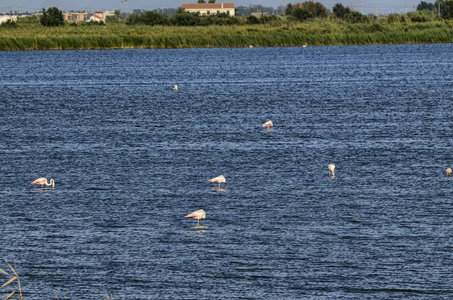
x,y
316,33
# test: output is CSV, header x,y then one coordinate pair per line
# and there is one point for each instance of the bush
x,y
393,18
253,20
301,14
421,16
185,19
148,18
218,19
93,23
152,18
52,17
111,19
133,19
353,17
316,9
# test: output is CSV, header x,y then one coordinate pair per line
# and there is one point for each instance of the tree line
x,y
298,12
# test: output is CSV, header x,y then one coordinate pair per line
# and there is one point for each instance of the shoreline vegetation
x,y
307,23
312,33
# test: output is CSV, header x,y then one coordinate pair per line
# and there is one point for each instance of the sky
x,y
363,6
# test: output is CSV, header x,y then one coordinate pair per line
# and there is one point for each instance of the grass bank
x,y
317,32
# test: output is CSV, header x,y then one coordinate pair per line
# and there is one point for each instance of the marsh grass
x,y
13,276
32,36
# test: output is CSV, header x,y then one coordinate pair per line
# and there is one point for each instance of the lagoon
x,y
131,157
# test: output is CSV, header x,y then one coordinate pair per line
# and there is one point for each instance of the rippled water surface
x,y
131,157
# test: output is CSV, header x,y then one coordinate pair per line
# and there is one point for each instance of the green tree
x,y
301,14
425,6
201,1
289,9
446,8
185,19
152,18
117,14
316,9
340,11
52,17
133,19
211,1
353,17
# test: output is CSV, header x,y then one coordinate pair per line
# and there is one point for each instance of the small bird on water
x,y
331,170
219,179
449,172
175,88
43,181
199,214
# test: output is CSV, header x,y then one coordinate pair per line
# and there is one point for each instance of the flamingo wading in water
x,y
268,124
449,172
331,170
219,179
199,214
43,181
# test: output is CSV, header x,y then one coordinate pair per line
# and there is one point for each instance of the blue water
x,y
131,157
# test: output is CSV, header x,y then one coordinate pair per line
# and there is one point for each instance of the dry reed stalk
x,y
11,280
108,297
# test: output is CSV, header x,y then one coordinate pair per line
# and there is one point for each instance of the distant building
x,y
6,18
210,8
87,16
76,17
260,14
97,16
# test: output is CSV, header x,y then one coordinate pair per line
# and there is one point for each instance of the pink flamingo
x,y
219,179
199,214
331,170
268,124
43,181
449,172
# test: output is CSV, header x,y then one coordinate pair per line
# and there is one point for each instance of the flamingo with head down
x,y
199,214
43,181
331,170
268,124
219,179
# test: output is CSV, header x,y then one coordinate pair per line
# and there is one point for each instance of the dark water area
x,y
131,157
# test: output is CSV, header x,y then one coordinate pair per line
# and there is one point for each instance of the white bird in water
x,y
175,88
331,170
43,181
449,172
199,214
219,179
268,124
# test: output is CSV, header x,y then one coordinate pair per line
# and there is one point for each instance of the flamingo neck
x,y
52,183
